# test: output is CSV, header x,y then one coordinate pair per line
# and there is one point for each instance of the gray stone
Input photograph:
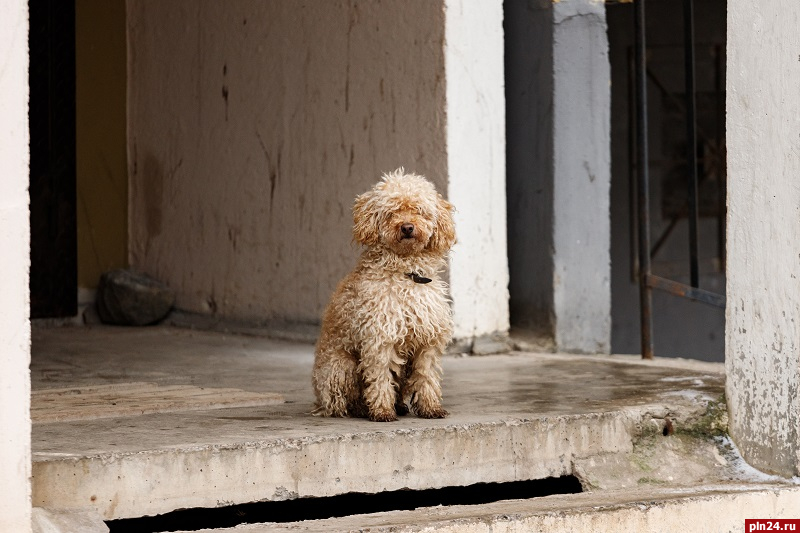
x,y
129,298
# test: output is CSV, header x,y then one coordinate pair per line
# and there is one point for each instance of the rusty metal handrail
x,y
645,295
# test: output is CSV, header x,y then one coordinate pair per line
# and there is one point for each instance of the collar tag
x,y
417,278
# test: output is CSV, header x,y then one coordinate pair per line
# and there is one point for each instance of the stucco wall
x,y
15,424
476,165
253,125
763,287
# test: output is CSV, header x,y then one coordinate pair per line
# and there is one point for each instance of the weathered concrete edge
x,y
720,508
66,521
159,481
691,365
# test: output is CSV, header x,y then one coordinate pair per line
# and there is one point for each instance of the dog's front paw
x,y
431,412
383,416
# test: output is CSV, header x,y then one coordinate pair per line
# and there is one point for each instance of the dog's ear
x,y
365,219
444,234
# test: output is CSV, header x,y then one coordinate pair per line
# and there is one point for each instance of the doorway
x,y
54,261
681,327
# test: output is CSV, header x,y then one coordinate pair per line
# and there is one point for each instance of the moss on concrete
x,y
712,423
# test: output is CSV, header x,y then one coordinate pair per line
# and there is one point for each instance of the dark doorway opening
x,y
680,327
53,276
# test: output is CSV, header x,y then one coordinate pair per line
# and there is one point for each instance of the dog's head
x,y
404,213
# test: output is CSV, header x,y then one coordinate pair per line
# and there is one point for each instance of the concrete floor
x,y
224,419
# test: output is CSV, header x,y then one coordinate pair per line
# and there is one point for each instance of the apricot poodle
x,y
389,320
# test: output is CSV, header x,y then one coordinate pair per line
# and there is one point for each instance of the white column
x,y
475,107
762,352
581,177
15,424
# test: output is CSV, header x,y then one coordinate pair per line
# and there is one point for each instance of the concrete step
x,y
231,456
711,508
513,417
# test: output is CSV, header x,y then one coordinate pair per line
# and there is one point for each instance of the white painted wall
x,y
476,165
15,423
763,264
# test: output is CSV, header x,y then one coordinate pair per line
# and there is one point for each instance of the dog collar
x,y
417,278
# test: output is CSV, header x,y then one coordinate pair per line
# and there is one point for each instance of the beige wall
x,y
15,421
102,173
252,126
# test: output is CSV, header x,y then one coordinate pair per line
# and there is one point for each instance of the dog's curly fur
x,y
389,320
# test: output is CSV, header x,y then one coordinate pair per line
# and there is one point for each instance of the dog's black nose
x,y
407,229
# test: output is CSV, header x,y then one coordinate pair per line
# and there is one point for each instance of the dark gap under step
x,y
344,505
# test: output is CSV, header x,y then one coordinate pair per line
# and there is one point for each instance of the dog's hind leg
x,y
337,386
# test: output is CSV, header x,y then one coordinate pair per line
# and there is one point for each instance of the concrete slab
x,y
133,399
513,417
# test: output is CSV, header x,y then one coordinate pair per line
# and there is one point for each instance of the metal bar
x,y
721,159
645,294
691,137
664,236
633,235
679,289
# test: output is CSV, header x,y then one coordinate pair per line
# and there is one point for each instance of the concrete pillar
x,y
560,171
763,264
15,423
475,109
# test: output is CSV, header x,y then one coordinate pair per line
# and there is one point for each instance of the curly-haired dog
x,y
389,320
